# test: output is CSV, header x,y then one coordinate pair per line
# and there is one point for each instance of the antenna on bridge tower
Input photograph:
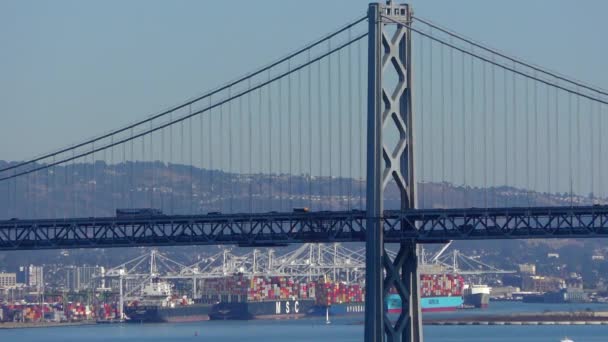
x,y
390,52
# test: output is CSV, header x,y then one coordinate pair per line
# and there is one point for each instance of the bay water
x,y
316,329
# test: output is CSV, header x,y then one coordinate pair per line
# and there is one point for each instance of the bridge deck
x,y
268,229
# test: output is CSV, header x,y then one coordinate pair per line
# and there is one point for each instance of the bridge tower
x,y
389,44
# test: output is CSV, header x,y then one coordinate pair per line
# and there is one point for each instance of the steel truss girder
x,y
420,225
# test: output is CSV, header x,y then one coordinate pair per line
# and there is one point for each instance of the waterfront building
x,y
22,275
8,280
35,277
527,269
542,284
83,277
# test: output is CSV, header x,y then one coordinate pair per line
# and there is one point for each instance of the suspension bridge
x,y
392,129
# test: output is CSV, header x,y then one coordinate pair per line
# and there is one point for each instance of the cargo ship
x,y
427,304
240,297
439,292
477,296
260,297
156,305
267,309
337,299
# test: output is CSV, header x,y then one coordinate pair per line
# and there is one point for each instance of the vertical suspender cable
x,y
73,186
244,190
361,122
340,140
52,202
9,197
600,159
422,115
527,114
64,193
82,189
123,179
210,153
591,154
112,175
152,165
431,119
15,192
223,175
600,125
548,130
557,140
163,166
15,199
202,164
309,107
472,144
261,145
7,207
319,108
270,190
329,122
171,168
464,127
94,181
515,128
240,169
281,144
131,180
230,172
249,136
289,142
442,123
143,169
300,130
182,162
340,137
579,151
505,132
570,123
25,199
191,182
30,199
493,135
350,122
484,112
535,132
103,176
452,126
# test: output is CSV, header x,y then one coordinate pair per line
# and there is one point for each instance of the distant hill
x,y
83,190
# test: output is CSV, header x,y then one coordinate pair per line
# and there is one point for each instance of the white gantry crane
x,y
306,263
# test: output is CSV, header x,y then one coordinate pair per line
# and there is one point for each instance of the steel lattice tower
x,y
390,52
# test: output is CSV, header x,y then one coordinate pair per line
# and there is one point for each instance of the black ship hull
x,y
477,300
279,309
159,314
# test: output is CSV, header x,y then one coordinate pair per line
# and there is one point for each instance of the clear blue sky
x,y
73,69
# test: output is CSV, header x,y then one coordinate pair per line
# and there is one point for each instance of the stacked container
x,y
441,285
254,289
328,293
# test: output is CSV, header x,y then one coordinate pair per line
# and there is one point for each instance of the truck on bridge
x,y
138,212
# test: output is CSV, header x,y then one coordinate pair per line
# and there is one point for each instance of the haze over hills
x,y
83,190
